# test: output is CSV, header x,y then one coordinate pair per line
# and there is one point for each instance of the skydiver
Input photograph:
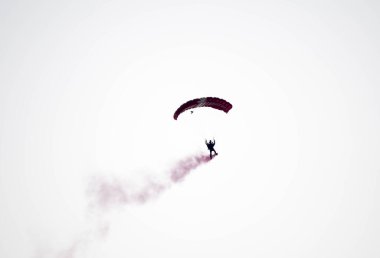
x,y
210,146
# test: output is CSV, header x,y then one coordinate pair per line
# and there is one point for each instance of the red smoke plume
x,y
185,166
105,192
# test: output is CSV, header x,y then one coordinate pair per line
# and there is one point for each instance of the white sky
x,y
90,88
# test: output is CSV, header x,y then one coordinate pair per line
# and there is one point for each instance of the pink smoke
x,y
184,167
78,244
105,193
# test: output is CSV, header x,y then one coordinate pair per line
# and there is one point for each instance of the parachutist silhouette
x,y
210,146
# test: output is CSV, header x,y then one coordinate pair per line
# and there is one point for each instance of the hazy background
x,y
90,87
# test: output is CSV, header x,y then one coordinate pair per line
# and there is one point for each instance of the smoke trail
x,y
184,167
79,244
105,193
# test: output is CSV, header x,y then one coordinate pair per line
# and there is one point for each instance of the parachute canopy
x,y
212,102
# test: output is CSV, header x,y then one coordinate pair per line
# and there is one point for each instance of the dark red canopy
x,y
212,102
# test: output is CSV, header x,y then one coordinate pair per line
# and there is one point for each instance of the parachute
x,y
212,102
